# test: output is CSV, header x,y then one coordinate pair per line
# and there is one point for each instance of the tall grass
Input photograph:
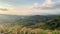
x,y
17,29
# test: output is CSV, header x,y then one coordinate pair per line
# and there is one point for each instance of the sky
x,y
30,7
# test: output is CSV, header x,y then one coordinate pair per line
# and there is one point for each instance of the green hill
x,y
32,21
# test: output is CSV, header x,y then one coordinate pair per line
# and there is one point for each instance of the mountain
x,y
26,20
32,21
8,18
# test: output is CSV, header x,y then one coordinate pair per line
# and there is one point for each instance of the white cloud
x,y
48,7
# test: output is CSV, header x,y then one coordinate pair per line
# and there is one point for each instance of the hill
x,y
32,21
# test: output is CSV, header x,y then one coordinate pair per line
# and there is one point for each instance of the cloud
x,y
48,7
3,9
57,5
48,4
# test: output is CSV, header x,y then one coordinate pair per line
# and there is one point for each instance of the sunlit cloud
x,y
47,7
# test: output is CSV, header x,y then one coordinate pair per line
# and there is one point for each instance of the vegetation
x,y
17,29
42,22
37,24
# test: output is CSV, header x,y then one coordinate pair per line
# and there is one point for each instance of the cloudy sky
x,y
30,7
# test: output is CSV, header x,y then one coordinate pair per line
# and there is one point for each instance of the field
x,y
17,29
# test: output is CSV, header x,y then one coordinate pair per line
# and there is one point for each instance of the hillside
x,y
32,21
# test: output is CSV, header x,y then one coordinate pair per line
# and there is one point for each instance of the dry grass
x,y
5,29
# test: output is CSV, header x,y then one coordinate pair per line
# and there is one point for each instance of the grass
x,y
6,29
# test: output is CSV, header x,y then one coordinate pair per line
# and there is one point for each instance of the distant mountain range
x,y
32,21
25,19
